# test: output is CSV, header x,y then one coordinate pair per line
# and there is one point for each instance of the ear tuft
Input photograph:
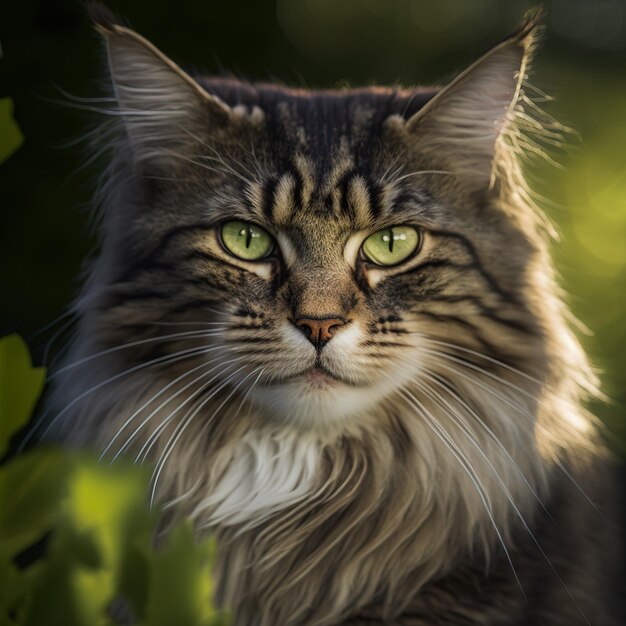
x,y
460,126
531,21
164,109
101,16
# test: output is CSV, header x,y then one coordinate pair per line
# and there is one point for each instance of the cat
x,y
330,319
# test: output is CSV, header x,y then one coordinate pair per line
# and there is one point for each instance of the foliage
x,y
96,533
10,134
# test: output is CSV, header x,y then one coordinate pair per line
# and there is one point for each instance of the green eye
x,y
246,241
391,245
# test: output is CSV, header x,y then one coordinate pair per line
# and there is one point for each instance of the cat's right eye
x,y
246,241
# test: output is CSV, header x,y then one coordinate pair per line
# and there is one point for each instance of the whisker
x,y
191,334
475,381
227,169
487,358
522,412
172,444
54,337
467,432
441,383
422,173
483,371
52,324
152,399
220,158
186,323
250,390
172,358
145,449
467,468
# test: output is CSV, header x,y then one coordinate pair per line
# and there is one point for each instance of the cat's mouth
x,y
319,376
316,376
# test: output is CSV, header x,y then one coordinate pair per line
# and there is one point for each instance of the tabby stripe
x,y
469,246
248,326
161,246
375,206
441,263
386,344
197,303
208,256
174,271
268,197
298,188
476,266
245,312
408,197
486,310
251,340
441,317
343,185
198,253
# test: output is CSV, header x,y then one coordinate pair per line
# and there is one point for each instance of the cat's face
x,y
318,276
325,283
320,250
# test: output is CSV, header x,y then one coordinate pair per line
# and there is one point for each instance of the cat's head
x,y
319,253
279,266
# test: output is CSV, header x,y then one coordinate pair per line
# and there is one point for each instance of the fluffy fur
x,y
406,481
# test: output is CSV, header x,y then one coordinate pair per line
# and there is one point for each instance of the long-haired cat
x,y
329,318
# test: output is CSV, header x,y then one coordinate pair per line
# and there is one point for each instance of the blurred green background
x,y
49,47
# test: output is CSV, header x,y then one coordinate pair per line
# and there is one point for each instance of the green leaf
x,y
11,137
14,587
32,487
181,586
20,387
91,550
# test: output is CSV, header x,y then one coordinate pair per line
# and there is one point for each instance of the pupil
x,y
248,236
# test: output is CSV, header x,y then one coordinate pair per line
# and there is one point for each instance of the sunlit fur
x,y
457,389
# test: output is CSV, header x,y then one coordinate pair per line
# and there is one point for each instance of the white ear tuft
x,y
460,125
163,108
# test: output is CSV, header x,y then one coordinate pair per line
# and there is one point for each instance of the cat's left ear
x,y
460,126
163,108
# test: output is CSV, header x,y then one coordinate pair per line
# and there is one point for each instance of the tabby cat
x,y
330,320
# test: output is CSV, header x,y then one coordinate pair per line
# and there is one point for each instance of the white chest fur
x,y
265,472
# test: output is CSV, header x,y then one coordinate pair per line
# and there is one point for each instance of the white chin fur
x,y
318,401
311,404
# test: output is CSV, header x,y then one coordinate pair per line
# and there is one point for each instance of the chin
x,y
317,400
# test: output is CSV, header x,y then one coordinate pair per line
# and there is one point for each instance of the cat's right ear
x,y
163,108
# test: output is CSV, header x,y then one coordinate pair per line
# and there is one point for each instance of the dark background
x,y
50,48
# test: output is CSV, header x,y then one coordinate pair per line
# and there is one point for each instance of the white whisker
x,y
153,398
169,358
187,334
441,383
145,449
183,426
445,438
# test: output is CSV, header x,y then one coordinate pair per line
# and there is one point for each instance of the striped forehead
x,y
345,195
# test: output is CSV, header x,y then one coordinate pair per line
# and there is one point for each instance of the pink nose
x,y
319,331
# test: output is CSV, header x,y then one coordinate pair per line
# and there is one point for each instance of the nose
x,y
319,331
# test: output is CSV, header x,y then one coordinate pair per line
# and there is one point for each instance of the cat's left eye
x,y
246,241
391,246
